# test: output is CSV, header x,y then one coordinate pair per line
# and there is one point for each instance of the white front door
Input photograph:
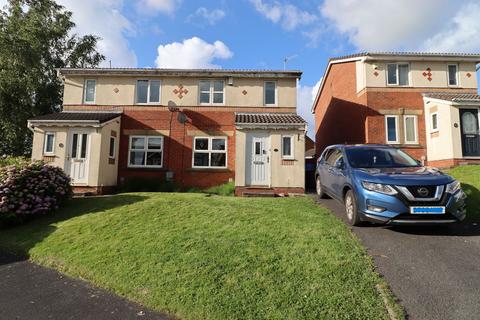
x,y
258,159
78,154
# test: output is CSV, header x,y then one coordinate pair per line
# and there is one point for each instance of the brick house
x,y
425,103
198,128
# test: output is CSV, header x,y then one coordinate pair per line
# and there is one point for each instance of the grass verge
x,y
469,176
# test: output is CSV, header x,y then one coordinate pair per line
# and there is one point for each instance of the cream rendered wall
x,y
438,70
59,149
108,172
240,157
360,68
121,91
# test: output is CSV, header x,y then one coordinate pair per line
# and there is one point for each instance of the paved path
x,y
434,271
28,291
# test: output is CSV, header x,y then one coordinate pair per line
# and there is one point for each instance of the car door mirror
x,y
340,164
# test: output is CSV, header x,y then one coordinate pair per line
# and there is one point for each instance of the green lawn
x,y
210,257
469,176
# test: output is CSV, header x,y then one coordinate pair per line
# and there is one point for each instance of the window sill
x,y
208,170
406,145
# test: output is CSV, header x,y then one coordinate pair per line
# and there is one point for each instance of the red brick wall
x,y
178,146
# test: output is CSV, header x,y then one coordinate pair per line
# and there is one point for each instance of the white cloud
x,y
152,7
191,53
389,24
305,97
204,15
288,15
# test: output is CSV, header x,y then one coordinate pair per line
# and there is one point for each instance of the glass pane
x,y
154,158
218,159
403,74
218,86
111,152
204,86
204,97
452,75
201,144
469,123
392,73
410,129
90,91
218,144
258,148
142,91
391,129
200,159
287,146
74,145
434,121
137,158
83,151
138,143
155,143
154,91
269,92
49,143
218,98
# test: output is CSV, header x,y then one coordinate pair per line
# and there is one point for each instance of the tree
x,y
36,38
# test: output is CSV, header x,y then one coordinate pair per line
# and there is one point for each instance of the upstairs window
x,y
148,91
397,74
452,75
287,147
211,91
391,129
89,94
270,93
49,144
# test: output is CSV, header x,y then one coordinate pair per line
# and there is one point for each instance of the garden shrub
x,y
31,190
226,189
13,161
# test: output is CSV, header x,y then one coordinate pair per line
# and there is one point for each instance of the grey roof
x,y
97,117
410,54
269,118
182,72
454,97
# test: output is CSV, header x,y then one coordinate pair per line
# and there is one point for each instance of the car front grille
x,y
422,194
422,191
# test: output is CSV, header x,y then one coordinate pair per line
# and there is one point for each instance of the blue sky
x,y
259,34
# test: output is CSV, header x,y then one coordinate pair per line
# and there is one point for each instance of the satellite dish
x,y
172,106
181,117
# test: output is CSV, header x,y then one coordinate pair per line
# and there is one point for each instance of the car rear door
x,y
330,173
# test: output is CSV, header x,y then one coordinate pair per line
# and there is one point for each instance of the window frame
x,y
397,73
457,79
265,93
415,128
432,129
291,156
48,133
209,151
94,91
211,93
110,156
146,150
397,126
148,92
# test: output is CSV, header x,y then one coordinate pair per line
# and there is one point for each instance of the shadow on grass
x,y
20,239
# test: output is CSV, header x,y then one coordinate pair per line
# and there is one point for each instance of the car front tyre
x,y
319,188
353,217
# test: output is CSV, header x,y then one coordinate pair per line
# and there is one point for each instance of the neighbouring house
x,y
198,128
425,103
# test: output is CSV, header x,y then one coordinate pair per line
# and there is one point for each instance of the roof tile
x,y
99,117
269,118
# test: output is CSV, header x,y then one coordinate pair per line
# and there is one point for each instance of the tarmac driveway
x,y
434,271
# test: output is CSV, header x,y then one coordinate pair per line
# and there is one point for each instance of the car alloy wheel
x,y
318,185
349,207
353,217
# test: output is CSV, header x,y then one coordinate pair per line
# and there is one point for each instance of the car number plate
x,y
427,210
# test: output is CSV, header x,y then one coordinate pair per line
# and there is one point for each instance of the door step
x,y
257,192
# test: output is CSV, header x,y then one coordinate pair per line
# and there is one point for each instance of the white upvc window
x,y
287,147
148,91
391,129
410,129
434,122
452,75
270,94
211,92
398,74
89,91
49,143
209,152
111,147
145,151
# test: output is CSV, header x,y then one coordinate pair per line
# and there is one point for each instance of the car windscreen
x,y
379,158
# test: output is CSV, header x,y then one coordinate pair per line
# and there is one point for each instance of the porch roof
x,y
269,119
76,117
453,97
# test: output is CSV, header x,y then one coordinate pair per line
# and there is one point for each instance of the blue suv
x,y
383,184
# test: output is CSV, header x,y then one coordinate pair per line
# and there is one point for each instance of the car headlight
x,y
453,187
380,188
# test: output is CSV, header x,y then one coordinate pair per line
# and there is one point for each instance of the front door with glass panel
x,y
78,153
470,132
258,160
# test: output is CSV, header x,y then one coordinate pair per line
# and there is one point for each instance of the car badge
x,y
423,191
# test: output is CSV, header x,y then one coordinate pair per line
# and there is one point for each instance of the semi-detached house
x,y
198,128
